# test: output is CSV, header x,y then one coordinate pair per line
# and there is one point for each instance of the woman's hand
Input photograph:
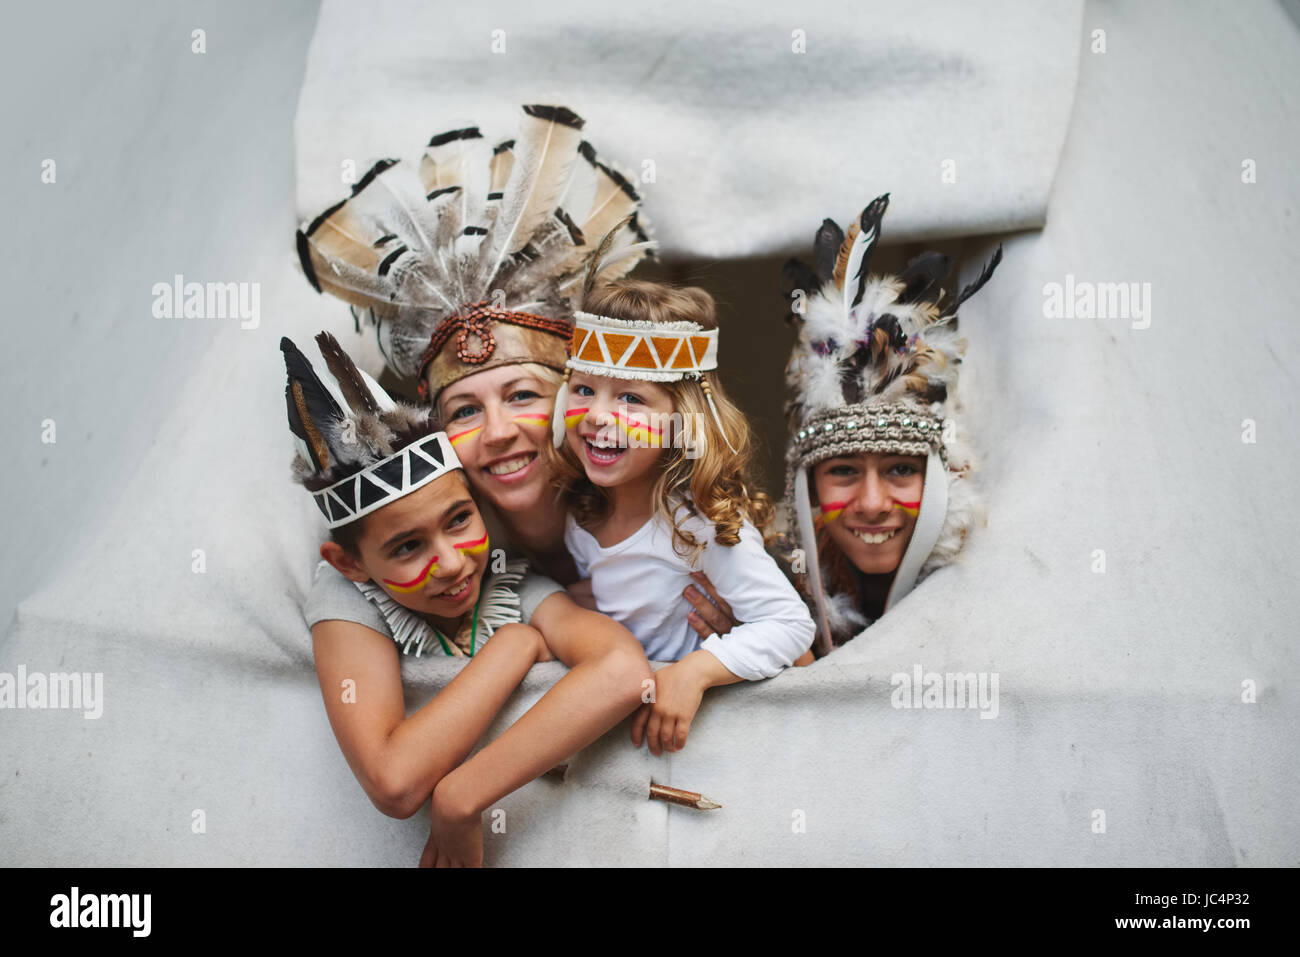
x,y
712,615
580,592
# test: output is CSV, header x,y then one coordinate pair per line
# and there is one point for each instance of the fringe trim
x,y
499,606
679,325
654,375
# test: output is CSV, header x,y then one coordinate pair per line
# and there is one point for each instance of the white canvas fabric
x,y
1120,694
777,115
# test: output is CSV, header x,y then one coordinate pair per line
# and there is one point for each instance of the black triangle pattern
x,y
433,448
420,467
371,493
391,472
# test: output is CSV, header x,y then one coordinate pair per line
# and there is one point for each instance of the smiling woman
x,y
875,446
499,422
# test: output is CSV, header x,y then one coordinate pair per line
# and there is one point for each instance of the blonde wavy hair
x,y
714,485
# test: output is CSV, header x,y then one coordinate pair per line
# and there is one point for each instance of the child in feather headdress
x,y
407,534
653,463
875,446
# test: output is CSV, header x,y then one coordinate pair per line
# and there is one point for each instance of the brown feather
x,y
842,258
354,388
593,264
317,440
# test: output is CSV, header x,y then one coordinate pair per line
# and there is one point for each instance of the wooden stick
x,y
660,792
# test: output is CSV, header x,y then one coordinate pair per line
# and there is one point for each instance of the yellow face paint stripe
x,y
533,418
477,547
832,510
911,508
642,432
573,417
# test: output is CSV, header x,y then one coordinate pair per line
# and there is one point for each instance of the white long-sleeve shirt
x,y
639,582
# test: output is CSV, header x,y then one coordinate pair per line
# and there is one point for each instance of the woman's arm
x,y
608,676
398,760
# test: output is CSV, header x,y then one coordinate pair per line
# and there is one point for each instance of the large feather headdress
x,y
358,449
875,370
477,257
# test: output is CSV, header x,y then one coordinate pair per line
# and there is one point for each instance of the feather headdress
x,y
875,370
476,257
358,449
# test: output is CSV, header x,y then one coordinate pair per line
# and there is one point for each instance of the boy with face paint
x,y
406,532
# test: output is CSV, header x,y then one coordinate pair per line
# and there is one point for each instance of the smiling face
x,y
497,420
428,549
868,505
617,427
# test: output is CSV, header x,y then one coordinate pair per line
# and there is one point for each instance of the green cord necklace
x,y
473,629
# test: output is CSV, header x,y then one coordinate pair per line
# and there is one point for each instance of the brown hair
x,y
347,536
716,480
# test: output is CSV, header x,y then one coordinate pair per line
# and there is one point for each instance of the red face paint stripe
x,y
418,580
474,544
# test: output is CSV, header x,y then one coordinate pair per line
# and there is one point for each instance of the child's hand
x,y
666,721
455,837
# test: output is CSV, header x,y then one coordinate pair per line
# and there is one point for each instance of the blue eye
x,y
465,411
524,395
584,390
630,399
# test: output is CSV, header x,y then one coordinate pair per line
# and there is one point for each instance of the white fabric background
x,y
745,135
1119,692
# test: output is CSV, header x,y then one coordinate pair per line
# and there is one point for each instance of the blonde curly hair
x,y
713,484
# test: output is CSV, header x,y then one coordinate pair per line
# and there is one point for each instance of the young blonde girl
x,y
653,458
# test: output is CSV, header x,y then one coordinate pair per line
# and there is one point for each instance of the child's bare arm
x,y
398,760
607,676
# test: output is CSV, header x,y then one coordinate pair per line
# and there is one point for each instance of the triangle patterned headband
x,y
387,480
654,352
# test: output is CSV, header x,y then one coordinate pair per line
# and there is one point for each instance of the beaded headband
x,y
902,428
